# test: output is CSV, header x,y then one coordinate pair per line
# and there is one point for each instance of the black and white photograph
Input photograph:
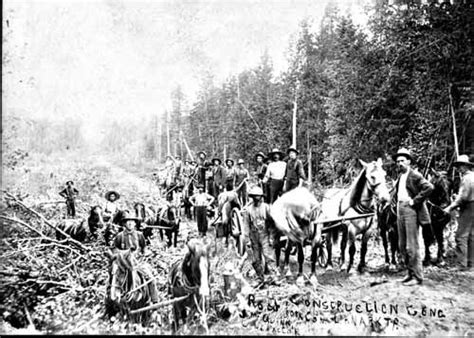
x,y
237,168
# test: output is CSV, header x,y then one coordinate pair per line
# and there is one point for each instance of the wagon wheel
x,y
237,230
322,254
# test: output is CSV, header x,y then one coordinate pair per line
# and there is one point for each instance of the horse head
x,y
375,178
123,263
140,211
440,194
196,265
172,213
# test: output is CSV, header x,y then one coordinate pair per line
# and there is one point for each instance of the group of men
x,y
271,173
272,179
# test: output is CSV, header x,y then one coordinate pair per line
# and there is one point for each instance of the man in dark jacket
x,y
202,168
411,191
294,174
70,193
217,177
260,171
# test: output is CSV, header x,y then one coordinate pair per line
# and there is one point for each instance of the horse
x,y
228,208
123,291
95,220
167,219
437,201
293,215
387,224
190,277
78,229
357,200
141,213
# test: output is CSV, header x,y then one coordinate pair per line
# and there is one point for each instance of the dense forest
x,y
359,92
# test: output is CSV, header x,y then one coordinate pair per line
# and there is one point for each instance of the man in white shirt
x,y
411,191
110,208
275,175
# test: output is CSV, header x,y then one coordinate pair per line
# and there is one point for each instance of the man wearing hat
x,y
110,208
70,193
241,177
130,237
260,171
294,174
229,174
257,216
275,175
411,192
465,201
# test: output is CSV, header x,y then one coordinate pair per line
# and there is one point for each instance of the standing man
x,y
201,201
294,174
70,193
202,165
229,173
275,174
257,217
260,171
217,177
240,183
411,191
465,202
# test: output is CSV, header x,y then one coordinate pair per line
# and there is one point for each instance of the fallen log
x,y
70,239
158,305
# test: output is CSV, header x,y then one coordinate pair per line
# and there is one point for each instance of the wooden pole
x,y
186,145
310,157
455,134
168,146
295,108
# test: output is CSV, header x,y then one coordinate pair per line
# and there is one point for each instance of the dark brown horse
x,y
168,221
95,220
190,277
127,288
76,228
142,214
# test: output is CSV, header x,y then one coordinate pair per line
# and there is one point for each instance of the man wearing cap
x,y
110,208
260,171
130,237
229,174
70,193
294,174
257,217
275,174
465,201
411,191
240,183
201,201
217,177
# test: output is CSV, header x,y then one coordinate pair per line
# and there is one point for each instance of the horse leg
x,y
383,234
363,251
352,248
438,229
300,279
277,251
286,264
314,257
329,247
393,237
345,234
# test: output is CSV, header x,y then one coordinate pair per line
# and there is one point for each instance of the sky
x,y
120,60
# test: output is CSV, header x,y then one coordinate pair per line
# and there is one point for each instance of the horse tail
x,y
334,235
